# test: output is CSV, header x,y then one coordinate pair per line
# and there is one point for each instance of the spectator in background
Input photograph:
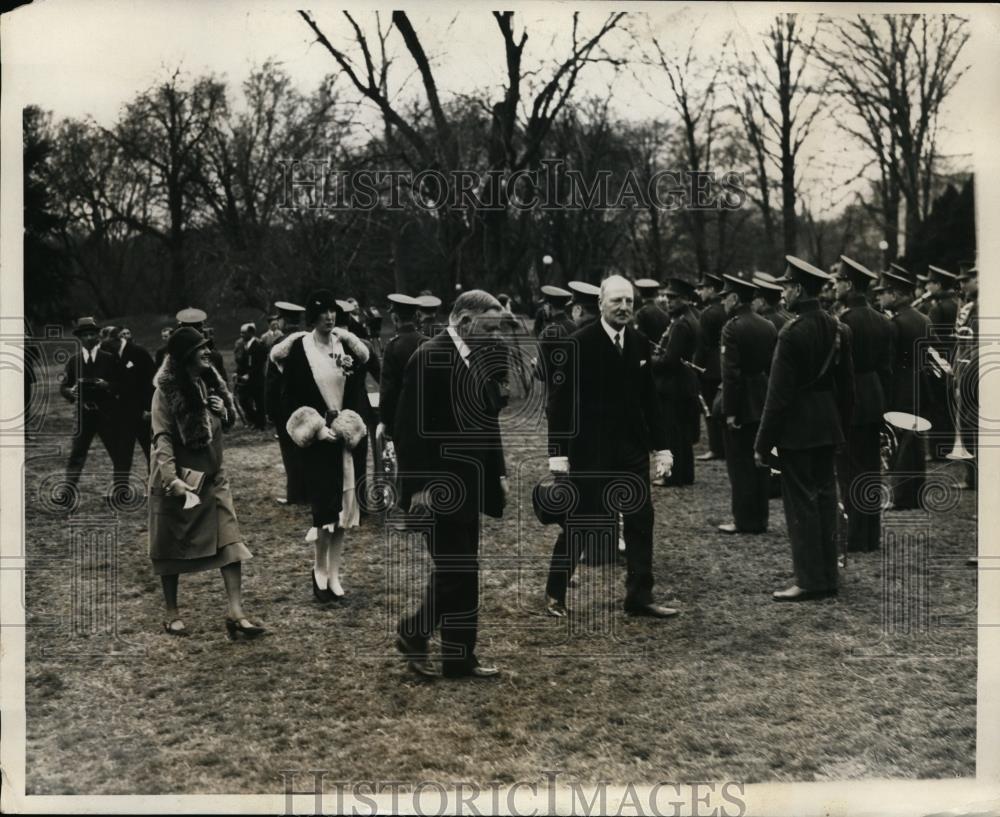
x,y
250,377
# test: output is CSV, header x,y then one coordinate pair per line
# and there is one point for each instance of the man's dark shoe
x,y
651,611
424,668
555,608
472,669
412,649
796,593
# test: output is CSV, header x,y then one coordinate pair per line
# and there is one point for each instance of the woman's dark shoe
x,y
236,629
322,594
175,627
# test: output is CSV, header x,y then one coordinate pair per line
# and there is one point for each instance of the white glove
x,y
664,463
559,465
326,434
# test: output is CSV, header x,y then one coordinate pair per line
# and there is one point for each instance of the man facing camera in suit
x,y
447,435
604,417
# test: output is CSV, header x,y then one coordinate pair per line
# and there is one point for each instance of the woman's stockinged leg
x,y
232,577
170,584
335,559
320,559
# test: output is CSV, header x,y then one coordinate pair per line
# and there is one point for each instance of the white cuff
x,y
559,465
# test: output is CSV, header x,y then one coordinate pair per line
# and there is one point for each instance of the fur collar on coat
x,y
352,344
189,411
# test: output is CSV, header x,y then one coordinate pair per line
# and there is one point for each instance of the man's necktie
x,y
618,344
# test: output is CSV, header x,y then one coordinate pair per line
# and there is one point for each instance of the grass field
x,y
736,687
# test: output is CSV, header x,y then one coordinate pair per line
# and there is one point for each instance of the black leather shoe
x,y
796,593
412,649
322,595
555,608
471,670
651,611
237,629
423,668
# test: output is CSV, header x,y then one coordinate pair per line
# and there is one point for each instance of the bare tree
x,y
163,135
777,101
516,142
894,71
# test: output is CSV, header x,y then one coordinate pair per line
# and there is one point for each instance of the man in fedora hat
x,y
708,356
677,385
907,394
90,380
871,349
810,394
747,345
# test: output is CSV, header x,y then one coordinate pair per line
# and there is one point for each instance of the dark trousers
x,y
295,481
809,491
682,429
715,424
751,486
451,598
251,397
132,429
859,472
907,470
596,526
104,424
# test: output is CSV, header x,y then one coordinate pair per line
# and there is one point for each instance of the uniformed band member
x,y
767,300
553,309
427,313
810,394
965,366
584,307
398,351
747,345
942,311
196,318
911,332
712,318
91,379
557,325
296,489
871,348
649,318
677,385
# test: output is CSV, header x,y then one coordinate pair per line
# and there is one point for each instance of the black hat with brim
x,y
939,276
320,301
184,341
799,271
966,275
739,284
709,279
679,288
87,324
855,272
891,279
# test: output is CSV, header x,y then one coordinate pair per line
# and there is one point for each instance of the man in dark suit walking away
x,y
712,319
810,393
447,435
859,464
91,381
135,378
677,382
604,418
296,489
911,334
250,374
747,345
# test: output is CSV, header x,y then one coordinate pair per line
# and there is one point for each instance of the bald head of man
x,y
617,300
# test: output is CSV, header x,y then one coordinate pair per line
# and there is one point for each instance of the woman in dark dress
x,y
192,522
324,370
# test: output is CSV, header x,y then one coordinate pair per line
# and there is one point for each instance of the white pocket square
x,y
642,363
129,365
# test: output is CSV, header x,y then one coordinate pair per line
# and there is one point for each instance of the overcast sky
x,y
88,59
